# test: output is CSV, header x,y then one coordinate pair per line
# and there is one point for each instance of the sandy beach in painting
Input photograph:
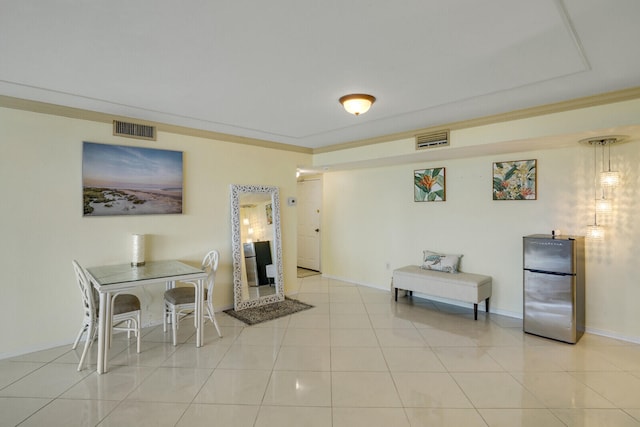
x,y
123,180
101,201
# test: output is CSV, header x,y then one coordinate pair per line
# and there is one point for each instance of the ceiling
x,y
275,70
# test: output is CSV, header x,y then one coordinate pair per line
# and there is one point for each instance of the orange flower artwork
x,y
429,185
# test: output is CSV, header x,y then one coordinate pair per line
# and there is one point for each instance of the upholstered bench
x,y
465,287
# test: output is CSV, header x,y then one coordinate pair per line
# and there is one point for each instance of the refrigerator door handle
x,y
549,272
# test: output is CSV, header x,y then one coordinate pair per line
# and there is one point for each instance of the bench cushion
x,y
468,287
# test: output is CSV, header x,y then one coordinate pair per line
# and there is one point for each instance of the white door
x,y
309,203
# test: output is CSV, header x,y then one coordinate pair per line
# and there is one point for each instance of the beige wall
x,y
42,227
371,224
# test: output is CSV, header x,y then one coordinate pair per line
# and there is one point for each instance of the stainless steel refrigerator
x,y
257,256
250,264
554,286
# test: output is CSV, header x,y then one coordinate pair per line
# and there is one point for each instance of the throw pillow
x,y
441,262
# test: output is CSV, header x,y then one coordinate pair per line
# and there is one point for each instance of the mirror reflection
x,y
256,246
256,234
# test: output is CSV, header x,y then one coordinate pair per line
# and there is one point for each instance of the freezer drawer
x,y
556,255
549,306
249,250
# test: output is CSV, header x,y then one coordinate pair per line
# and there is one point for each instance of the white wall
x,y
42,228
370,221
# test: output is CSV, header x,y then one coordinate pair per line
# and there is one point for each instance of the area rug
x,y
255,315
303,272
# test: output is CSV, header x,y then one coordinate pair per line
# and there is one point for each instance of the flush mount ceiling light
x,y
357,103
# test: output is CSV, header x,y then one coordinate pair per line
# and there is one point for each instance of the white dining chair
x,y
180,301
125,314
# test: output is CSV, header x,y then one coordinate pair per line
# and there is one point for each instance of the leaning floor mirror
x,y
257,246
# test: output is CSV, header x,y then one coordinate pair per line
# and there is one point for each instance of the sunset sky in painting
x,y
118,166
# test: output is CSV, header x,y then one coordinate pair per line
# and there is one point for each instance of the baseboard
x,y
501,312
609,334
342,279
35,349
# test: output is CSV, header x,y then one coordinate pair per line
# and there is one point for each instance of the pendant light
x,y
608,178
595,231
603,181
603,205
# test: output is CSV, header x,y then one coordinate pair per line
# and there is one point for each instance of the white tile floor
x,y
356,359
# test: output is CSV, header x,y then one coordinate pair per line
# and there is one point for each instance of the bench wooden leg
x,y
486,305
475,311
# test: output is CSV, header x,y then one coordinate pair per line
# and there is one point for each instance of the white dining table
x,y
109,280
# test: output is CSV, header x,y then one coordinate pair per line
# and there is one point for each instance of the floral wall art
x,y
515,180
429,185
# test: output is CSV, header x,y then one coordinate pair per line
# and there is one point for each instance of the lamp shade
x,y
604,206
609,179
595,232
137,250
357,103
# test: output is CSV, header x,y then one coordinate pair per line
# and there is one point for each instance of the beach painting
x,y
123,180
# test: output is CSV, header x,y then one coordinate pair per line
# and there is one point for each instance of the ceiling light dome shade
x,y
357,103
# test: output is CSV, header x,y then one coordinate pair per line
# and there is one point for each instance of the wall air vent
x,y
134,130
432,140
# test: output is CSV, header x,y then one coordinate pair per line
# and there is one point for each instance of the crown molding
x,y
541,110
77,113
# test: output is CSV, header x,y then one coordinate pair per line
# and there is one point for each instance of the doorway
x,y
309,208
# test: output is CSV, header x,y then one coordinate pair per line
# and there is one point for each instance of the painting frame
x,y
268,210
515,180
430,185
125,180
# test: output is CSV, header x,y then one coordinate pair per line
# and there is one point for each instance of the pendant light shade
x,y
357,103
604,206
609,178
595,232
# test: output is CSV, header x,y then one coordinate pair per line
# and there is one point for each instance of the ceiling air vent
x,y
431,140
134,130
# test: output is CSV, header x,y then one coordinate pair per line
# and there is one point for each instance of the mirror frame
x,y
236,241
